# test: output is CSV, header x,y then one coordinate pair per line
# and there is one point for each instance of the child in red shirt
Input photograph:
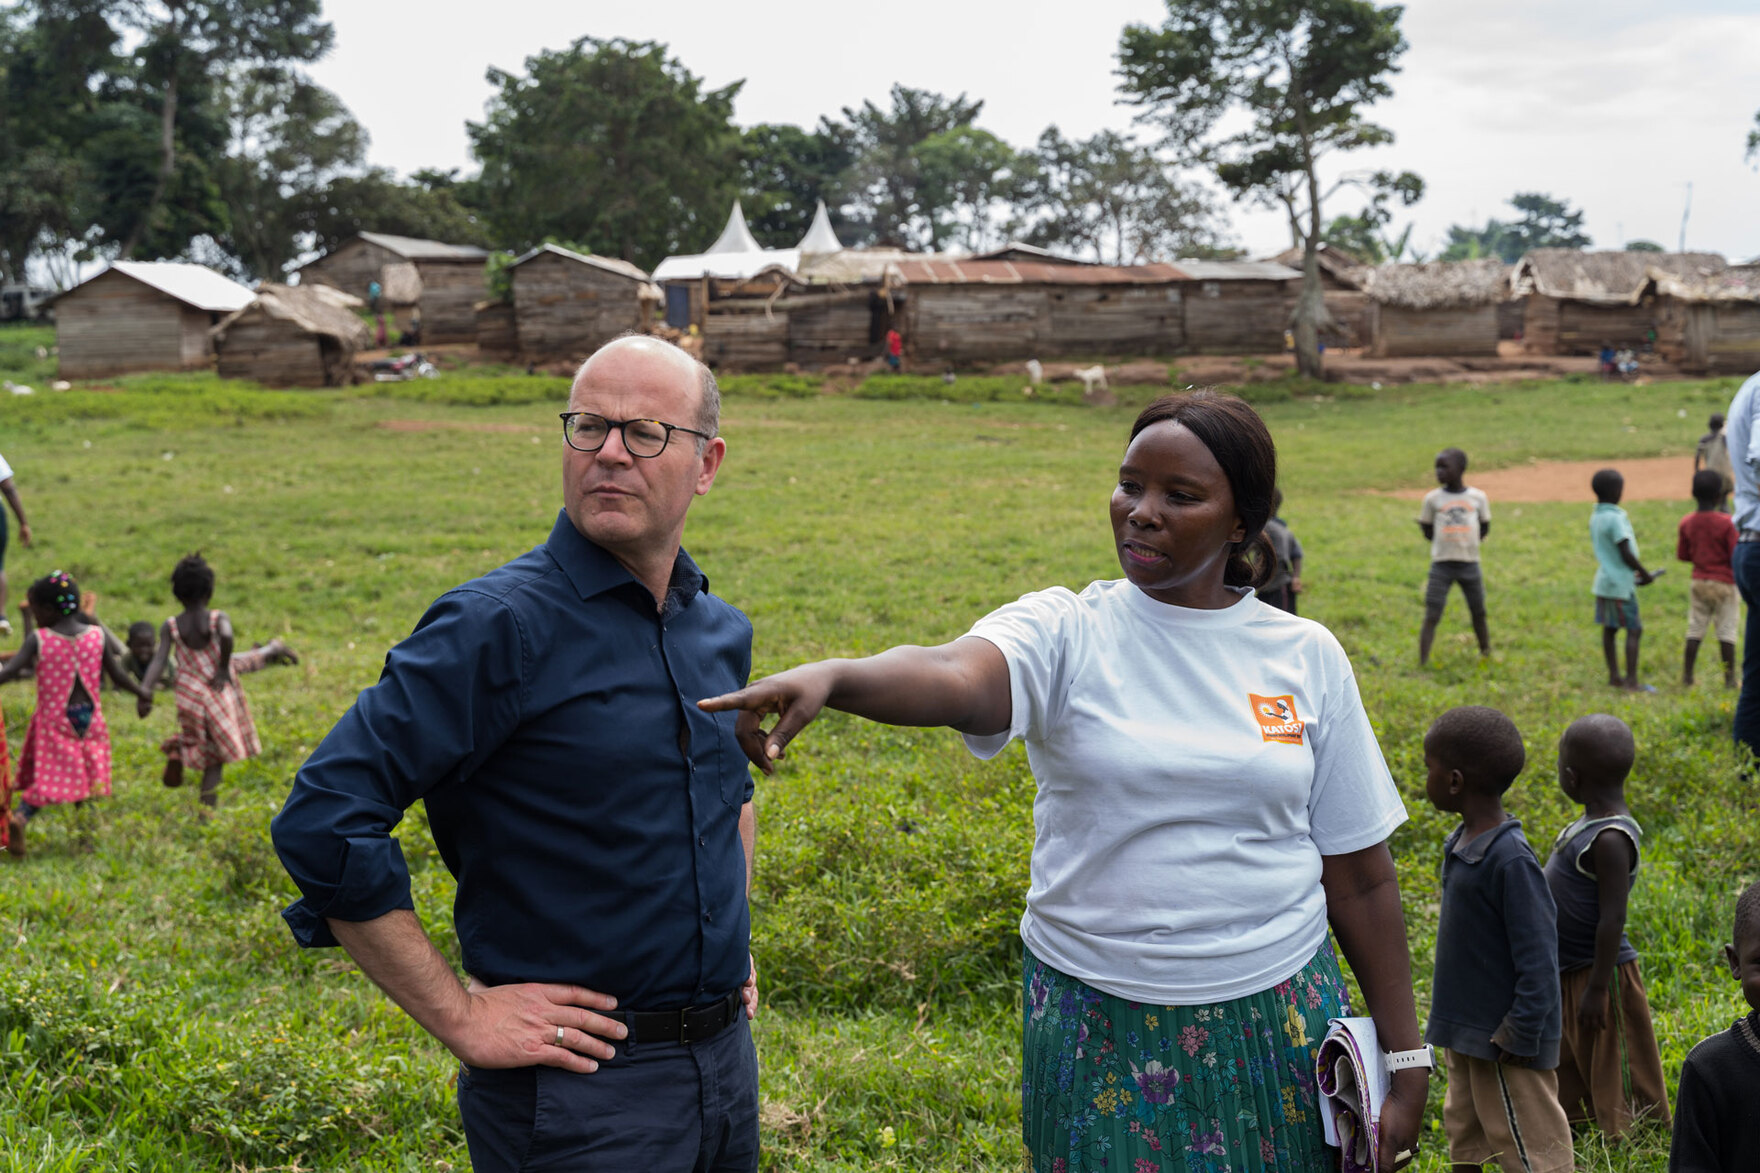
x,y
1707,540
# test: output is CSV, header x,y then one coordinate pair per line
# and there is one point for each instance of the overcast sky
x,y
1613,105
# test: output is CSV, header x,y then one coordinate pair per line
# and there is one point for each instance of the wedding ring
x,y
559,1036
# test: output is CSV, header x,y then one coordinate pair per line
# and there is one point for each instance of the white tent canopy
x,y
820,238
734,255
736,237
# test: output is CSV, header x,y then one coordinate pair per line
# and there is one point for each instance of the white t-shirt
x,y
1456,518
5,469
1192,766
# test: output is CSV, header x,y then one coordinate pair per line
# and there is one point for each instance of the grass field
x,y
155,1014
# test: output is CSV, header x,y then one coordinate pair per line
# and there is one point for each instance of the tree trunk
x,y
1311,305
167,166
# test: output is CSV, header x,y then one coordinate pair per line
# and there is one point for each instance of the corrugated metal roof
x,y
610,264
193,285
412,248
1238,270
982,272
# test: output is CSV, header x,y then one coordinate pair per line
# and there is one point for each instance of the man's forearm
x,y
396,953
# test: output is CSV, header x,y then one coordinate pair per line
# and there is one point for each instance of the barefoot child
x,y
213,721
1618,574
1716,1127
1455,520
66,754
1708,540
1494,1000
1609,1068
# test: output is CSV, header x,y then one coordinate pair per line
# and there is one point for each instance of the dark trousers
x,y
1746,563
659,1107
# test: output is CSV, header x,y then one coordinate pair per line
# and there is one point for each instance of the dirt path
x,y
1657,478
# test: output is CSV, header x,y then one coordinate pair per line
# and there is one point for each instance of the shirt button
x,y
702,841
707,917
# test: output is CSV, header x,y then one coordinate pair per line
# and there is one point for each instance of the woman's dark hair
x,y
1242,445
56,592
192,580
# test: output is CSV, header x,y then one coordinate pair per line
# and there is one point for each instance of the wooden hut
x,y
497,331
1577,302
992,309
1709,324
141,316
441,283
293,336
1341,285
567,304
1440,309
1237,306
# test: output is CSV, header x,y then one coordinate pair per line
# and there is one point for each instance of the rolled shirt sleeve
x,y
448,696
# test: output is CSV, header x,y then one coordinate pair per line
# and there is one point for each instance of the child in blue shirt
x,y
1495,998
1618,574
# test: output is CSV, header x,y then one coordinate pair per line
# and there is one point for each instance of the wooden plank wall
x,y
1540,324
1116,320
1350,309
450,293
1723,338
497,332
1584,328
1460,331
745,338
829,332
1511,318
567,310
1249,316
277,353
114,324
351,268
966,323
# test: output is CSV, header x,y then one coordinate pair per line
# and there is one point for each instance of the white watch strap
x,y
1424,1056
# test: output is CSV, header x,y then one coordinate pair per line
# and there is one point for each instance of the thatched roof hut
x,y
1709,323
1342,274
1436,309
143,316
1578,302
293,336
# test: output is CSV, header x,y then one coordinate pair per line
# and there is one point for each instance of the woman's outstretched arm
x,y
963,685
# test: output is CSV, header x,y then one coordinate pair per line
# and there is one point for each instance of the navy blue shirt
x,y
1496,950
546,715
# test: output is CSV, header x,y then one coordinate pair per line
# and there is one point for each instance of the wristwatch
x,y
1424,1057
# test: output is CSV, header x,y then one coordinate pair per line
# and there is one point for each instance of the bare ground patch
x,y
1655,478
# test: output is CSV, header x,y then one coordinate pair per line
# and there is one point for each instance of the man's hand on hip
x,y
534,1024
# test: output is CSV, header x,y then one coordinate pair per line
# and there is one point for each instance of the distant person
x,y
379,335
1605,361
1494,1002
374,292
10,491
1744,458
1716,1126
1713,453
1707,539
1455,520
1618,574
1609,1067
894,350
412,334
137,656
214,724
1286,579
66,752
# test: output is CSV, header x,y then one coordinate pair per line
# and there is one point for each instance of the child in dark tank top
x,y
1609,1068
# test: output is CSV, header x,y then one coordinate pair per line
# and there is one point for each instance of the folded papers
x,y
1352,1077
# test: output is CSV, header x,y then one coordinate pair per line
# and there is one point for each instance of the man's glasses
x,y
586,432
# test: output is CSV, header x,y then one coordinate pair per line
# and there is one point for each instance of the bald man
x,y
598,823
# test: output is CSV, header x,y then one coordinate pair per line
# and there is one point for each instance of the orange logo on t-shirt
x,y
1277,718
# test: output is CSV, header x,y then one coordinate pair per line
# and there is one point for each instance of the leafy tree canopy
x,y
785,171
1544,223
887,184
611,143
1643,246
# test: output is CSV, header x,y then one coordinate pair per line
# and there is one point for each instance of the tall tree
x,y
1301,71
1117,200
785,171
968,182
185,46
886,185
432,205
290,140
610,143
1544,223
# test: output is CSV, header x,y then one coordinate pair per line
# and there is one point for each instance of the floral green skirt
x,y
1224,1088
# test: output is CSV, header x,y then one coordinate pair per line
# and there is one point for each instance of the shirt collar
x,y
1602,505
592,570
1474,850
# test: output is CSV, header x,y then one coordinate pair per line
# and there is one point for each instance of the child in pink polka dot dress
x,y
66,754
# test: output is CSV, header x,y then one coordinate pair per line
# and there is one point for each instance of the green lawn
x,y
155,1014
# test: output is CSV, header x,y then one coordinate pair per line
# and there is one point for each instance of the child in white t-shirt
x,y
1454,519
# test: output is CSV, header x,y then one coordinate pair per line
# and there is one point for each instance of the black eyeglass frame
x,y
621,425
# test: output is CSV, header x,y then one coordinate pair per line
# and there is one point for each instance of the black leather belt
x,y
692,1024
1749,535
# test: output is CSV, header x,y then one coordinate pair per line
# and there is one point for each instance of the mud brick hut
x,y
567,304
1442,309
1237,307
1709,324
143,316
293,336
440,282
1342,275
1577,302
991,308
